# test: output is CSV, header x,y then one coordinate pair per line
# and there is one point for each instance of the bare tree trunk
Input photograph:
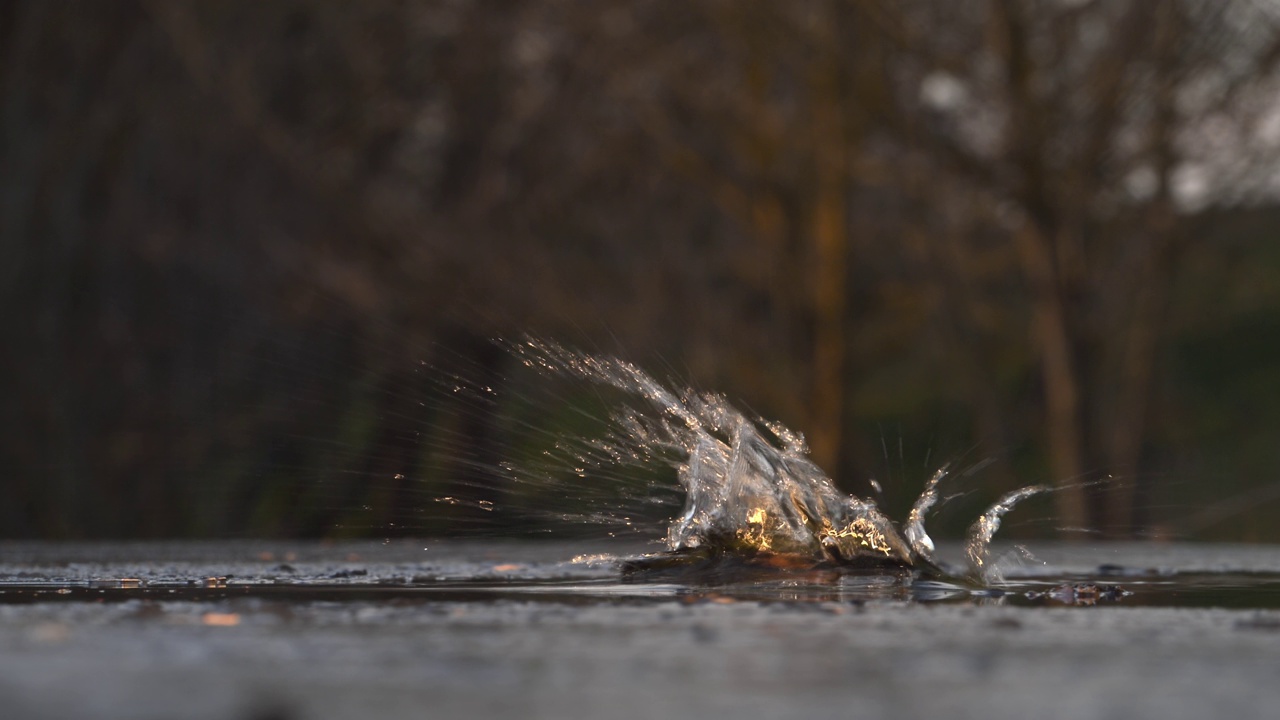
x,y
830,230
1059,375
1132,402
1062,409
1150,302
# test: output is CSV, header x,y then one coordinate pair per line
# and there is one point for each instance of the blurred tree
x,y
233,233
1074,122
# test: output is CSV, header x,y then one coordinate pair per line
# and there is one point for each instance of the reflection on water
x,y
239,576
1199,591
604,579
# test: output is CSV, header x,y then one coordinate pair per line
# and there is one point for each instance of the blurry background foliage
x,y
244,245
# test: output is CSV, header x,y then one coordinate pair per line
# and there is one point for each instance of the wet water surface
x,y
407,573
1201,591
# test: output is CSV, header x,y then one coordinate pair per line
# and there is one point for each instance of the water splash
x,y
750,487
978,544
919,539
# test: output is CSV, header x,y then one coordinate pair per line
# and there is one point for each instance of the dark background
x,y
245,246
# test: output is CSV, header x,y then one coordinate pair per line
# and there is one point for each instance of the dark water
x,y
1207,590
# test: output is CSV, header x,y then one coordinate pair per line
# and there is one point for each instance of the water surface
x,y
1048,574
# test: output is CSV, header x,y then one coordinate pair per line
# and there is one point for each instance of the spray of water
x,y
750,487
977,547
919,539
